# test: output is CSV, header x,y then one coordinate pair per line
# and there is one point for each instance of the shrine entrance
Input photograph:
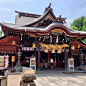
x,y
60,60
57,60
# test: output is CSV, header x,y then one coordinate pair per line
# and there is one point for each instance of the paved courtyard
x,y
61,79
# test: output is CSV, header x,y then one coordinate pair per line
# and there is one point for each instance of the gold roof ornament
x,y
44,45
59,51
58,20
34,45
25,14
78,46
65,45
58,46
73,47
13,42
53,51
53,47
36,16
46,50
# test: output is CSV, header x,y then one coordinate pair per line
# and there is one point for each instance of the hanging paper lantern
x,y
34,45
13,59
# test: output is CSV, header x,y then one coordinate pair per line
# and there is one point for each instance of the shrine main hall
x,y
46,38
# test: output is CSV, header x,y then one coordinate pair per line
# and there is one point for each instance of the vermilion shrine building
x,y
46,36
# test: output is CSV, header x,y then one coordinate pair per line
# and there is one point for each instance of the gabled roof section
x,y
27,14
76,43
10,40
47,18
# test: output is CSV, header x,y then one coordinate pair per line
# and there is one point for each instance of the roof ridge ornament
x,y
49,5
48,8
59,20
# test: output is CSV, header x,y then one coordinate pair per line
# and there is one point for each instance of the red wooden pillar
x,y
55,58
38,56
41,51
48,56
48,60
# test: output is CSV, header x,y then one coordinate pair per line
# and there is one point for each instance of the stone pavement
x,y
61,79
13,80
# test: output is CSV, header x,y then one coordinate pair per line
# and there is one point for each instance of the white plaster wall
x,y
23,20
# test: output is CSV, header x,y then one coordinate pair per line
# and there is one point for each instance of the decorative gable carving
x,y
45,22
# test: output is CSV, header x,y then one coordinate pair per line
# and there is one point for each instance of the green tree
x,y
0,32
78,23
84,28
84,25
74,28
84,40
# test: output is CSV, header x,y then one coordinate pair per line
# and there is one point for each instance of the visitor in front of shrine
x,y
22,63
51,63
41,60
60,64
41,63
45,63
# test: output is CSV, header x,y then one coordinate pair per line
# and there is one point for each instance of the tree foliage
x,y
74,28
78,23
84,25
0,32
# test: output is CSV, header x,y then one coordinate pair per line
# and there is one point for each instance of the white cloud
x,y
5,9
13,0
69,21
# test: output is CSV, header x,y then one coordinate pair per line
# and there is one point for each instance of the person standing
x,y
51,62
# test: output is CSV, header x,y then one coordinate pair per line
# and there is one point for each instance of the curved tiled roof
x,y
52,26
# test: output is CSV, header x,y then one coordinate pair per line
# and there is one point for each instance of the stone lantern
x,y
18,67
82,67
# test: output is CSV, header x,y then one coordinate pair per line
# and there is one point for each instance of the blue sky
x,y
70,9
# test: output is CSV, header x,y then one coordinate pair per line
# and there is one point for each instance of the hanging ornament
x,y
34,45
53,51
78,46
73,47
59,51
46,50
50,39
57,39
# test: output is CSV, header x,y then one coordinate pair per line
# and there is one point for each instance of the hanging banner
x,y
4,62
27,49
